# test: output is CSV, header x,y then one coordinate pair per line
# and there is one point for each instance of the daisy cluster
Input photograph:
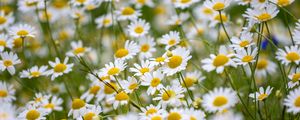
x,y
149,59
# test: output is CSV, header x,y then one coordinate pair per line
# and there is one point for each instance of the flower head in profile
x,y
262,94
261,15
22,31
217,5
127,13
7,92
78,49
34,72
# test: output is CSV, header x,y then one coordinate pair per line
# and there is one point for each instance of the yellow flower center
x,y
49,106
144,70
30,4
220,101
22,32
133,86
151,111
293,56
128,11
156,118
60,68
160,59
168,94
113,71
106,21
3,93
296,77
218,18
89,116
121,53
172,42
18,42
94,90
244,43
108,89
264,17
247,58
63,35
35,74
185,1
7,63
60,3
189,82
297,102
121,96
193,118
77,104
145,47
141,1
79,50
4,116
262,96
283,2
175,61
220,60
2,43
32,115
200,31
261,1
262,64
155,82
219,6
2,20
174,116
80,1
139,29
207,11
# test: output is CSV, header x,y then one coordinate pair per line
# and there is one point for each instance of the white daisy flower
x,y
92,4
33,113
244,41
113,68
262,94
53,105
260,4
151,110
291,54
130,84
95,90
282,3
104,21
159,60
178,19
8,61
5,42
22,31
153,81
217,5
170,96
192,114
243,2
292,101
141,3
219,99
128,13
5,19
34,72
244,57
264,67
78,49
177,61
261,15
59,68
171,39
296,34
78,108
7,92
227,115
129,51
29,5
147,47
38,98
91,113
192,78
175,114
203,13
218,62
119,99
182,4
7,111
216,19
294,78
138,28
140,70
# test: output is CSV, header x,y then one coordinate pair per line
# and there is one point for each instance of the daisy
x,y
78,2
147,47
113,68
175,114
33,113
264,67
178,19
155,116
282,3
289,55
141,3
262,94
7,111
260,4
294,78
216,19
78,49
203,13
219,99
119,99
244,41
104,21
22,31
192,78
95,91
182,4
140,70
39,98
130,49
261,15
130,85
227,115
53,105
5,42
292,101
170,96
192,114
177,61
217,5
159,60
171,39
151,110
244,57
92,4
34,72
29,5
7,93
243,2
59,68
138,28
91,113
8,61
218,62
78,108
128,13
5,19
153,81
